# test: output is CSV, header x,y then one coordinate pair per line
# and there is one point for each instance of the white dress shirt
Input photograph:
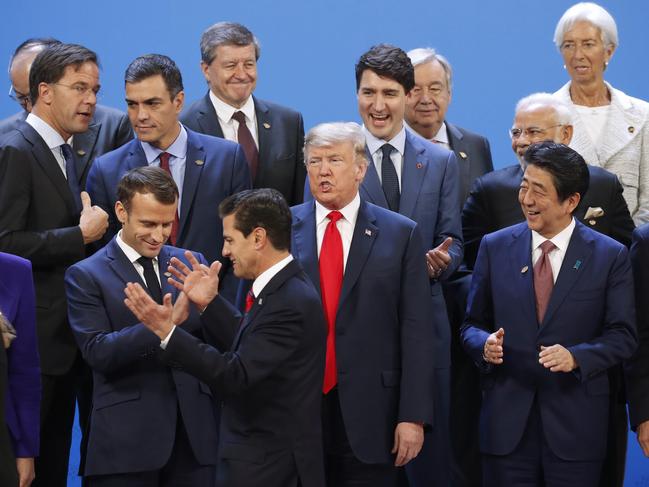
x,y
51,137
133,255
345,225
264,278
398,142
230,126
560,241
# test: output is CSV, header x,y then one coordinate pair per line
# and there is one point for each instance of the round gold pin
x,y
631,129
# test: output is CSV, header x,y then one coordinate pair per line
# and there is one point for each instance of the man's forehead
x,y
537,113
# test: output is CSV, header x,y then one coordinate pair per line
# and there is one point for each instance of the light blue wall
x,y
501,50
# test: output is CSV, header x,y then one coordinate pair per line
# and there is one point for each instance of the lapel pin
x,y
261,301
199,162
266,125
631,129
167,274
577,264
419,165
368,232
463,155
524,269
81,152
591,222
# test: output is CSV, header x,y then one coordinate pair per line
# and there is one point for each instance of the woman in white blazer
x,y
610,127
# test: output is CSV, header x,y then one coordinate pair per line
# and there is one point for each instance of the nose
x,y
240,71
226,251
426,98
142,113
160,234
525,197
379,103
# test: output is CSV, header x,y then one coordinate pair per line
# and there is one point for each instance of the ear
x,y
260,237
179,102
204,69
566,134
45,93
120,212
610,49
572,202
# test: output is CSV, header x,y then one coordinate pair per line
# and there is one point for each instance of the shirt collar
x,y
131,254
225,111
177,149
349,212
398,141
51,137
441,136
264,278
560,240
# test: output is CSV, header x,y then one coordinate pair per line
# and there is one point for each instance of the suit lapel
x,y
371,189
623,125
120,264
306,246
456,142
574,262
412,175
522,271
193,171
83,145
207,119
264,134
163,264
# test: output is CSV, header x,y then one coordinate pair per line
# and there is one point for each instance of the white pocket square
x,y
595,212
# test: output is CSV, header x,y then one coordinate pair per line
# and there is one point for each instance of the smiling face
x,y
232,74
584,53
381,104
69,104
537,123
428,101
242,251
540,203
153,112
334,174
146,226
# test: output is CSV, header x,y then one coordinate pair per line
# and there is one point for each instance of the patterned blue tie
x,y
71,174
389,179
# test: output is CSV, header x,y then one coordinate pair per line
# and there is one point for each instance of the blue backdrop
x,y
501,50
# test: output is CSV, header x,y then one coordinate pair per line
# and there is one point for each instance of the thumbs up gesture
x,y
438,259
93,221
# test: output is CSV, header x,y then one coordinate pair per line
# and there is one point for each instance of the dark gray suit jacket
x,y
281,139
108,130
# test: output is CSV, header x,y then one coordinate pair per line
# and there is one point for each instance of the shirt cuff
x,y
163,343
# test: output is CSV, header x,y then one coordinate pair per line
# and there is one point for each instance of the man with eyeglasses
x,y
45,218
108,130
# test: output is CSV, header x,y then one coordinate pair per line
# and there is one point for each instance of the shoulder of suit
x,y
627,102
118,153
104,113
641,232
210,140
601,174
507,233
430,150
602,241
509,174
298,211
467,134
277,108
14,265
10,123
383,215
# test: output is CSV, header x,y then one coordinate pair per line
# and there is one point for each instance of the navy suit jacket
x,y
22,398
40,222
637,378
136,396
108,130
493,204
384,341
590,313
270,378
281,141
429,196
473,156
214,170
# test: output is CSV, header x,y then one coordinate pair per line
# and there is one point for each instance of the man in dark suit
x,y
272,135
367,264
44,219
419,180
550,312
108,129
268,364
152,424
637,371
205,169
426,108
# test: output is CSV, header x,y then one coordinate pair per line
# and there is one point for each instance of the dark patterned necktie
x,y
389,178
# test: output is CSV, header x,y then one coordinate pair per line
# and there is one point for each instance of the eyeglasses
x,y
81,89
530,132
22,99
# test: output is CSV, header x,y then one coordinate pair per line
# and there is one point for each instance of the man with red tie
x,y
270,375
367,263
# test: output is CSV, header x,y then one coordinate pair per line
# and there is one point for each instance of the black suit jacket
x,y
473,155
39,221
281,140
493,204
108,130
270,379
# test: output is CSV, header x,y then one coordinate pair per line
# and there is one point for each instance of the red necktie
x,y
543,280
164,164
331,279
250,299
247,142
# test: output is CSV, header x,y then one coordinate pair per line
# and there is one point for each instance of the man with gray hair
x,y
366,262
426,108
271,135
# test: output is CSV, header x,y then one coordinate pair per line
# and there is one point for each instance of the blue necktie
x,y
389,179
71,174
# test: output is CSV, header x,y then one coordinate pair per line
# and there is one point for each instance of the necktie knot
x,y
151,279
386,149
146,263
547,247
334,216
239,116
164,161
66,150
390,179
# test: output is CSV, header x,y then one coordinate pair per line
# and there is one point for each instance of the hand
x,y
643,437
93,221
200,283
156,317
557,359
438,259
493,347
26,473
408,440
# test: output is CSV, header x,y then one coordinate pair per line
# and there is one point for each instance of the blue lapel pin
x,y
577,264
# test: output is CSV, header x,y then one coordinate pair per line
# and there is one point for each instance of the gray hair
x,y
593,14
328,134
423,55
561,109
226,34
